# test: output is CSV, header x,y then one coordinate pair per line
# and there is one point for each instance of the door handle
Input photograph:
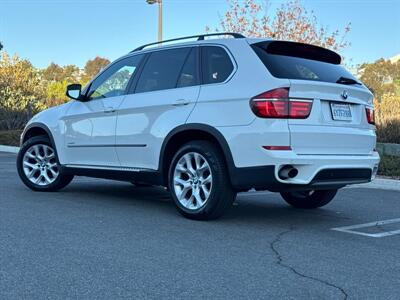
x,y
109,110
180,102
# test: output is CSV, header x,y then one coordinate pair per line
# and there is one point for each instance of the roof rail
x,y
199,37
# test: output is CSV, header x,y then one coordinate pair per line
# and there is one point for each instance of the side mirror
x,y
74,91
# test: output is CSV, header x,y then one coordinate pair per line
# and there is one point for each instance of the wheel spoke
x,y
52,165
189,202
197,160
184,192
188,160
204,167
207,180
32,166
181,168
49,153
199,201
31,173
46,177
54,173
30,155
40,177
182,182
37,151
205,190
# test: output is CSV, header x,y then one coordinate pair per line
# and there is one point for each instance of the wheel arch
x,y
189,132
36,129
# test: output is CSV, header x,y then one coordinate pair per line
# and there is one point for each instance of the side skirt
x,y
121,174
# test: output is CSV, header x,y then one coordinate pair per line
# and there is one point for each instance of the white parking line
x,y
350,229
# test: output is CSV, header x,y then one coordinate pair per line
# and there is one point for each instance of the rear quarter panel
x,y
227,104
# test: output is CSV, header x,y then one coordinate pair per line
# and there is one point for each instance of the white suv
x,y
210,118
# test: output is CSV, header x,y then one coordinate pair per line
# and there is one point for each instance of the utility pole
x,y
160,27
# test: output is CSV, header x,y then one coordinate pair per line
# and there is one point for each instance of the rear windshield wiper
x,y
345,80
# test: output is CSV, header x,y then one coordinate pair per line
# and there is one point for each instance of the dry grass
x,y
387,113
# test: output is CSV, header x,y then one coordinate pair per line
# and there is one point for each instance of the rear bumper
x,y
263,178
314,172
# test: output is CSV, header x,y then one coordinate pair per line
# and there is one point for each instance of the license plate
x,y
341,112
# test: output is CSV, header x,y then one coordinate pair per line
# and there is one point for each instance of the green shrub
x,y
389,166
10,137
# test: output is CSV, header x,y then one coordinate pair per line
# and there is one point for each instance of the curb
x,y
380,184
377,183
9,149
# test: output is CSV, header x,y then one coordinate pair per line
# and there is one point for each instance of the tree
x,y
291,21
21,91
1,46
71,73
94,66
55,93
53,72
381,76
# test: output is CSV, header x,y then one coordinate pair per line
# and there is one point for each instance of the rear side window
x,y
188,76
300,61
216,64
162,70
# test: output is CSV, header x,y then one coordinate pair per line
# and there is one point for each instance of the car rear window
x,y
301,61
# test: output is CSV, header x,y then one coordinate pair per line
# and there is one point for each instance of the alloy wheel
x,y
192,180
40,165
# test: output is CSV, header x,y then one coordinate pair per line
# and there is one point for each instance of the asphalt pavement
x,y
99,239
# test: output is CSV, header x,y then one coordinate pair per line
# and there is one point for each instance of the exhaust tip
x,y
287,172
293,173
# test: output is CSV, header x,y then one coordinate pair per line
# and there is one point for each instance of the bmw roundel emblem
x,y
344,95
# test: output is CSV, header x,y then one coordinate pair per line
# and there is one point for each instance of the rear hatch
x,y
337,124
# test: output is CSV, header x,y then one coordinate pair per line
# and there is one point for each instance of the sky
x,y
73,31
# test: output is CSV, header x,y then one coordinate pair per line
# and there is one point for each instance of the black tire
x,y
62,179
309,199
221,194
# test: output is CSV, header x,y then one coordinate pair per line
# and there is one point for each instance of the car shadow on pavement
x,y
248,208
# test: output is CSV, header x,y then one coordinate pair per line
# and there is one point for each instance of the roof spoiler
x,y
301,50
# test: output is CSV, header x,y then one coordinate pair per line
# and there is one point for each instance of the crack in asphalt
x,y
281,263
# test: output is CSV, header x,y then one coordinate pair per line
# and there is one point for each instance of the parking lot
x,y
106,240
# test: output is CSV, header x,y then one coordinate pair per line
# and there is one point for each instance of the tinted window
x,y
188,76
162,70
114,80
305,67
216,64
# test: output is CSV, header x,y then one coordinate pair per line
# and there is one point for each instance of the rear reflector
x,y
277,104
277,147
370,115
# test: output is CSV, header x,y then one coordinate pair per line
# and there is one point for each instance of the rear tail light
x,y
370,115
277,104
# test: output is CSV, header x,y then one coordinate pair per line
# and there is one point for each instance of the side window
x,y
188,76
162,70
114,80
216,64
